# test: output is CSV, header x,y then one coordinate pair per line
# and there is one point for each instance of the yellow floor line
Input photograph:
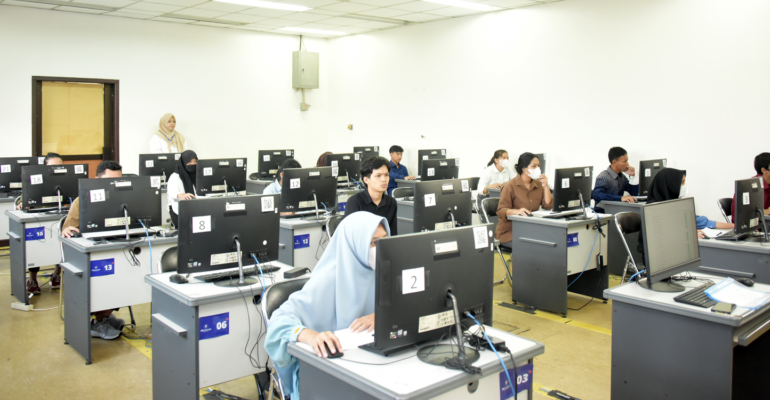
x,y
139,344
591,327
536,388
559,319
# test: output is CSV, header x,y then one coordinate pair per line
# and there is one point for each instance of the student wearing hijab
x,y
339,295
522,195
496,173
181,184
167,139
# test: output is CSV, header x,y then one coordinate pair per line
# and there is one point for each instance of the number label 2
x,y
413,280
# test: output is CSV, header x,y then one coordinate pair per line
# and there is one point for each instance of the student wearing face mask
x,y
522,195
181,184
762,166
496,173
612,183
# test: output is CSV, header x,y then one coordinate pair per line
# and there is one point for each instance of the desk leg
x,y
174,356
286,248
592,283
77,302
18,262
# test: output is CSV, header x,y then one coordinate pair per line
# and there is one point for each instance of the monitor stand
x,y
666,286
241,280
450,355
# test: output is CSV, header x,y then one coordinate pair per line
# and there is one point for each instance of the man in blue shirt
x,y
397,170
611,183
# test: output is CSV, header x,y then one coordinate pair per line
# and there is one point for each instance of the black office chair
x,y
272,299
726,207
332,224
488,215
474,183
628,222
61,283
255,176
403,192
168,260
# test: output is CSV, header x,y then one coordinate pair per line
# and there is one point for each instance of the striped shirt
x,y
610,186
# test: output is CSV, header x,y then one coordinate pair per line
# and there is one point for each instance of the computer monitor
x,y
429,154
568,186
308,189
223,175
438,203
10,172
348,166
414,275
670,242
541,157
647,171
749,207
50,185
270,161
367,151
209,227
434,170
162,165
106,202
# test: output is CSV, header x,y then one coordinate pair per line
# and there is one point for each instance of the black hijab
x,y
188,178
667,185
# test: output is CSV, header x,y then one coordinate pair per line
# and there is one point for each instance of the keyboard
x,y
640,198
732,236
697,296
247,271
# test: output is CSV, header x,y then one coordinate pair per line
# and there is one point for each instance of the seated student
x,y
181,184
32,286
397,170
522,195
762,166
375,174
275,187
339,295
496,173
104,325
611,184
322,159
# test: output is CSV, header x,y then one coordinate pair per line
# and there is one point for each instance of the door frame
x,y
111,150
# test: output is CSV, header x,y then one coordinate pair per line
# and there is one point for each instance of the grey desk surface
x,y
749,247
407,180
299,222
553,222
260,181
22,217
84,245
7,199
404,202
196,292
633,293
605,204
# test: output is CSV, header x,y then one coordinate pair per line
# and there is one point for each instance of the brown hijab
x,y
174,138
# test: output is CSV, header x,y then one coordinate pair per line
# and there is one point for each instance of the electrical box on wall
x,y
304,70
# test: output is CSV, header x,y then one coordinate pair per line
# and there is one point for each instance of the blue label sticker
x,y
103,267
572,240
301,241
34,233
523,381
341,207
214,326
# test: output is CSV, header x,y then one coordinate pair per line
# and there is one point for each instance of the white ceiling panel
x,y
266,12
305,16
127,15
417,17
320,25
348,7
452,11
80,10
197,12
184,3
352,29
280,22
108,3
177,20
384,12
341,21
226,7
418,6
145,6
381,3
326,12
214,24
508,3
25,4
375,25
246,19
311,3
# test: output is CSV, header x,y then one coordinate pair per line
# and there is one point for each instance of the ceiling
x,y
345,17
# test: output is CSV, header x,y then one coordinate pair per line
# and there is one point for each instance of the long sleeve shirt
x,y
610,186
158,145
175,187
396,172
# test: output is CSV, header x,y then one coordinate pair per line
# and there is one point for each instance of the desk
x,y
544,261
29,249
664,349
738,260
6,204
299,241
122,285
403,183
182,362
411,378
257,186
617,254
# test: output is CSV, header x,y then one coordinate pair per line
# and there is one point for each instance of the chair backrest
x,y
332,224
277,294
726,207
489,209
628,222
403,192
255,176
61,244
474,183
168,260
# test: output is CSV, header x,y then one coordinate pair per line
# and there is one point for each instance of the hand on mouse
x,y
365,323
69,231
316,341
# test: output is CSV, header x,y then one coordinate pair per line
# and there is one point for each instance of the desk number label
x,y
647,172
41,160
480,237
431,172
746,199
214,326
430,200
288,152
149,164
266,157
572,240
36,179
294,183
465,185
565,183
413,280
5,168
239,162
201,224
523,376
97,196
155,182
335,171
588,172
34,234
443,152
267,204
79,169
208,171
335,163
301,241
424,157
103,267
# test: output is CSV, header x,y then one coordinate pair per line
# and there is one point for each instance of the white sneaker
x,y
115,322
104,330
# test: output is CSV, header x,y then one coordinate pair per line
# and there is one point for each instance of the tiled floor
x,y
37,364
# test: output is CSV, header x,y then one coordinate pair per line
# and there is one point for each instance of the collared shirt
x,y
491,175
515,195
73,216
767,196
273,188
611,185
396,172
387,208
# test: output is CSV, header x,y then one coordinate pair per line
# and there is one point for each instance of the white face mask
x,y
683,191
534,173
504,163
373,257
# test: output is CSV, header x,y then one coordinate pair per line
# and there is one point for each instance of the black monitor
x,y
541,157
670,242
749,207
414,275
302,187
161,165
270,161
435,170
429,154
348,166
209,227
10,172
105,202
51,185
367,151
223,175
438,203
568,186
647,171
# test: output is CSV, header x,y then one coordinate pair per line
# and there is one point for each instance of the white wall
x,y
682,79
229,89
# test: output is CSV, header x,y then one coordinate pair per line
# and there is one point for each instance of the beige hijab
x,y
174,138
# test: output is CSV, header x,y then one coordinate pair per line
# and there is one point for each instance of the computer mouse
x,y
176,278
529,215
746,281
338,354
76,234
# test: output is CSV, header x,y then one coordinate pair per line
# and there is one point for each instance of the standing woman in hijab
x,y
181,184
339,295
167,139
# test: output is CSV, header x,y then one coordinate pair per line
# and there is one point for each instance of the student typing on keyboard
x,y
618,178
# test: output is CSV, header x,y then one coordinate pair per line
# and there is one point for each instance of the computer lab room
x,y
384,199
